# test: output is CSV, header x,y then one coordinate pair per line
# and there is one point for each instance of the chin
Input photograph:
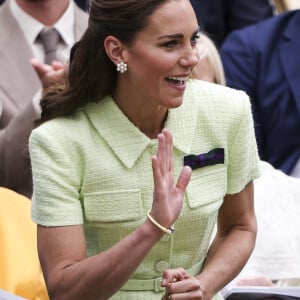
x,y
175,102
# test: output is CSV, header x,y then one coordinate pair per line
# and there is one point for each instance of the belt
x,y
154,284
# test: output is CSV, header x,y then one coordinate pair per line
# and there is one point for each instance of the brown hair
x,y
91,74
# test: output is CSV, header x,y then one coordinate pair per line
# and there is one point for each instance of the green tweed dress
x,y
94,169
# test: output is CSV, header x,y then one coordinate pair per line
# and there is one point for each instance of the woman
x,y
106,212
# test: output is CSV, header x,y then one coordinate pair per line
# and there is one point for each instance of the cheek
x,y
153,64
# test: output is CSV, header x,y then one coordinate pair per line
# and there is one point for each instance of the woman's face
x,y
163,55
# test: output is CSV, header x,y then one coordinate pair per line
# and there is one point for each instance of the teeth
x,y
179,78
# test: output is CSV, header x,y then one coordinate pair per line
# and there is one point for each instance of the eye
x,y
170,44
195,38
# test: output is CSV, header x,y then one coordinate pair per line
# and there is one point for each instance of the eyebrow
x,y
177,35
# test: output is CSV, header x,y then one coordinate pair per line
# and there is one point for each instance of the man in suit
x,y
20,24
264,61
219,17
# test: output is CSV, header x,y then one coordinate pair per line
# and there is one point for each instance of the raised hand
x,y
49,74
167,197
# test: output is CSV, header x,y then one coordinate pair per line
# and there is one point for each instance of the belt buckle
x,y
157,287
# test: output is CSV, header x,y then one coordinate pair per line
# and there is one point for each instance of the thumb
x,y
57,65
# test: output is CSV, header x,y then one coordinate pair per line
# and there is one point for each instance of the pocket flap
x,y
207,185
113,206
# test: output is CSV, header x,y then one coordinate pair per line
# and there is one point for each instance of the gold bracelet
x,y
169,230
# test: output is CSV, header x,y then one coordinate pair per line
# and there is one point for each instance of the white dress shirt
x,y
277,250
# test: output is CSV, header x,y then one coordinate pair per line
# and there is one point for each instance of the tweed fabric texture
x,y
94,168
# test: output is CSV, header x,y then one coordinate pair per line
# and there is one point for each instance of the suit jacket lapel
x,y
289,50
12,44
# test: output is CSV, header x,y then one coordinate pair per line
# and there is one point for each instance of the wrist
x,y
165,230
207,292
151,231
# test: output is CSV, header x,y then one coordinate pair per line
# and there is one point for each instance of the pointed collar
x,y
29,25
127,141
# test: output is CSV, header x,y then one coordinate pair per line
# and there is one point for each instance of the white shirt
x,y
277,250
31,28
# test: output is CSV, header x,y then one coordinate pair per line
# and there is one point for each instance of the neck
x,y
48,12
149,118
150,122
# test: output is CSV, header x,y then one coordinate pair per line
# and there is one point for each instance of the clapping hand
x,y
49,74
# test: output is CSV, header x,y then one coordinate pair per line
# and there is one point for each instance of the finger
x,y
57,65
40,68
184,179
161,153
157,178
173,275
186,295
54,76
188,284
169,149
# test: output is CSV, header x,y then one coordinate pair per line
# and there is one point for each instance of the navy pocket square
x,y
213,157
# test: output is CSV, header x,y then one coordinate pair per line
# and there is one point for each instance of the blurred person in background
x,y
220,17
20,269
21,22
263,60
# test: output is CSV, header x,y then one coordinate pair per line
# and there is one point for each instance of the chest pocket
x,y
207,186
113,206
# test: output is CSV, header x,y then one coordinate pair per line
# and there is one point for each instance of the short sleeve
x,y
243,163
56,180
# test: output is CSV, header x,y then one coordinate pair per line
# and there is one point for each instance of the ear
x,y
114,49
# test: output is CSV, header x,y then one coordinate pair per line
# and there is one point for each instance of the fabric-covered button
x,y
161,266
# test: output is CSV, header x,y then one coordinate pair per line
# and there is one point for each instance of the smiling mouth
x,y
177,80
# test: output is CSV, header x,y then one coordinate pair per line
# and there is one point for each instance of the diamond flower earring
x,y
122,67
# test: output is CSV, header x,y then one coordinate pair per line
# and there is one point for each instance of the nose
x,y
190,56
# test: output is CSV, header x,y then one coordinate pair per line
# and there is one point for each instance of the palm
x,y
168,197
